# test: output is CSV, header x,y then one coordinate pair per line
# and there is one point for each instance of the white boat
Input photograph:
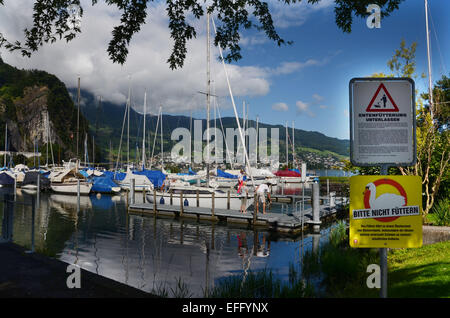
x,y
290,179
205,197
66,181
141,182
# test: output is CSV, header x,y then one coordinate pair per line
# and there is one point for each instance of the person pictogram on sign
x,y
384,100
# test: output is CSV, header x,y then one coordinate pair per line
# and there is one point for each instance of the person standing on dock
x,y
243,195
240,180
261,191
166,184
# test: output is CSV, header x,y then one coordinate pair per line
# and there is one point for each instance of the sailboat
x,y
145,179
189,196
66,181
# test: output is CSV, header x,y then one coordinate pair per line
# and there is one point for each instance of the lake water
x,y
149,253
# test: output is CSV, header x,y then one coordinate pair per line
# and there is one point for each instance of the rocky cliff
x,y
36,107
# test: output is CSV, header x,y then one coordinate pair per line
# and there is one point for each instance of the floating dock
x,y
292,223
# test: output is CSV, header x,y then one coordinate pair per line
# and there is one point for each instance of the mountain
x,y
32,100
107,119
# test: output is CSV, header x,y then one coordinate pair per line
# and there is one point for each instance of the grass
x,y
412,273
262,284
421,272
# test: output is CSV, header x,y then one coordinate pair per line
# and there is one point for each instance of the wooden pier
x,y
291,223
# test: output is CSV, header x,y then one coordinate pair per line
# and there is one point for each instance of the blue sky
x,y
316,95
305,83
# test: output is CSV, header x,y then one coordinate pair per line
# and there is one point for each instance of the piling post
x,y
15,188
228,200
8,214
212,203
38,186
154,201
78,195
127,198
255,210
143,195
181,203
171,197
328,188
316,205
133,183
198,199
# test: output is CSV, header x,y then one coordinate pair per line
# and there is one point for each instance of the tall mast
x,y
287,146
143,133
293,145
110,155
208,84
85,151
128,115
46,159
247,140
6,144
190,137
93,151
430,89
243,130
256,150
78,113
162,142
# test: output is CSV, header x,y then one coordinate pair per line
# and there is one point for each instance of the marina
x,y
109,236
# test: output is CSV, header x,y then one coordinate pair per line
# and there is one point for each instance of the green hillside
x,y
106,120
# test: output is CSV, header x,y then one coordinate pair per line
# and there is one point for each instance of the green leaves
x,y
50,23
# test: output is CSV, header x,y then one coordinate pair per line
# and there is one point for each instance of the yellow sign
x,y
385,211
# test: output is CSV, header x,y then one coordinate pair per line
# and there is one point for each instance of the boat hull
x,y
205,200
72,188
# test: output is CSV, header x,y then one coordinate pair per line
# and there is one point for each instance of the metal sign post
x,y
382,133
383,252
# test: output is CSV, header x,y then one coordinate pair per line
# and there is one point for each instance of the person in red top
x,y
241,180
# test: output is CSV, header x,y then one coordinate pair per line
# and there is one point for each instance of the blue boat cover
x,y
103,184
191,172
5,179
224,174
119,175
295,170
155,176
84,173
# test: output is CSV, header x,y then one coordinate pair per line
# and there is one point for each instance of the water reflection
x,y
149,253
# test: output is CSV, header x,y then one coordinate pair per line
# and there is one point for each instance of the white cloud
x,y
303,108
291,67
86,55
175,91
317,98
295,14
282,107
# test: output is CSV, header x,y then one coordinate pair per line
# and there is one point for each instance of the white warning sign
x,y
382,123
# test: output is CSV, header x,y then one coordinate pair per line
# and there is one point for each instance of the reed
x,y
262,284
440,214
